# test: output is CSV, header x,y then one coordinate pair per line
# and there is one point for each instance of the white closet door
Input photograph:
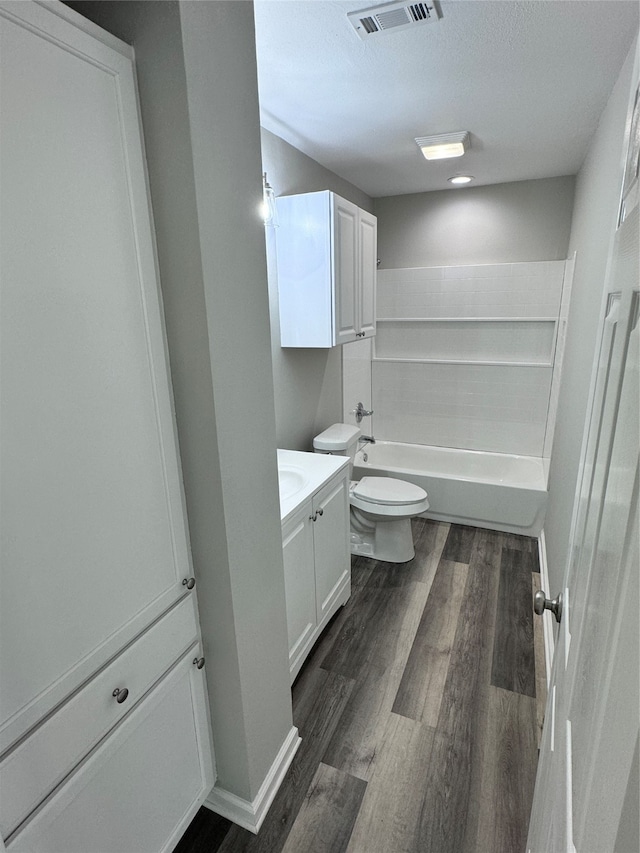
x,y
93,534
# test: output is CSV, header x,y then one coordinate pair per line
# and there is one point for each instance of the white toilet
x,y
381,507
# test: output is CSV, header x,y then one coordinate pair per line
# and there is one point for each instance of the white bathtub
x,y
495,490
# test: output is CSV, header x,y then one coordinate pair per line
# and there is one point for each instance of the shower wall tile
x,y
465,357
488,290
459,340
356,377
494,408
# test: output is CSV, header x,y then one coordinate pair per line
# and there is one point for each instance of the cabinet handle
x,y
120,694
320,511
199,662
189,583
313,517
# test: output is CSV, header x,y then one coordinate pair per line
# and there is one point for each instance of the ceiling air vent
x,y
391,16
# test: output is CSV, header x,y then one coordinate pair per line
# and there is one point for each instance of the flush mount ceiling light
x,y
444,145
461,179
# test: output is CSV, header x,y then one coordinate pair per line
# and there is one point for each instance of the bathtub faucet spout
x,y
367,439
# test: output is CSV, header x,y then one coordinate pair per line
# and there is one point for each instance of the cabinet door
x,y
345,260
141,786
331,544
367,230
42,760
94,543
299,584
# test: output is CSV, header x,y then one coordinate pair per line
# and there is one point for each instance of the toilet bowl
x,y
381,508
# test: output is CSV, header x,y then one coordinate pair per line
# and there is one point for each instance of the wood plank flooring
x,y
419,710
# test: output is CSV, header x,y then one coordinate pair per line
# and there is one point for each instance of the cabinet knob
x,y
199,662
189,583
120,694
313,517
320,511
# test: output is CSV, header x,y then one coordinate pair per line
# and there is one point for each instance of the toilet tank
x,y
338,440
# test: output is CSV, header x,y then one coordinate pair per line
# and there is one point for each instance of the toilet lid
x,y
387,490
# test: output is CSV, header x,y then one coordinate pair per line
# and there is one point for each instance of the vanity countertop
x,y
301,474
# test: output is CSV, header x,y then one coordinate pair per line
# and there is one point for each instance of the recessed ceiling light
x,y
461,179
444,145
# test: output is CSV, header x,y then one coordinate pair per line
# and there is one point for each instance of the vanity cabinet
x,y
317,565
326,261
104,734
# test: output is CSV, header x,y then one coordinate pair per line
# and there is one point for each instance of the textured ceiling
x,y
528,80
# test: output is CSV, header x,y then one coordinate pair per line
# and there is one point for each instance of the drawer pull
x,y
120,694
189,583
199,662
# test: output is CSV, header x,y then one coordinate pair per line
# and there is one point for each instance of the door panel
x,y
299,581
93,535
584,767
368,266
345,218
331,544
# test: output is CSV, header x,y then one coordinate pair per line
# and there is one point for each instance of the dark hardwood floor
x,y
419,710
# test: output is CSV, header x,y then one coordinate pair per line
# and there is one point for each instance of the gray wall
x,y
501,223
203,149
307,382
595,215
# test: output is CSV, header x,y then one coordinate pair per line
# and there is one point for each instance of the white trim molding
x,y
547,619
250,814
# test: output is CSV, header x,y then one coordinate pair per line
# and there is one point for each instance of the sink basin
x,y
290,480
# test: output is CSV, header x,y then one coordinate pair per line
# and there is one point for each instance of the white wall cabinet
x,y
317,565
96,568
326,253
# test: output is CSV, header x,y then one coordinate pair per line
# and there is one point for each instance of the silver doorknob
x,y
542,603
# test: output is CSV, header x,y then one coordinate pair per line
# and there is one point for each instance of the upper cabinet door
x,y
326,252
346,264
368,230
94,542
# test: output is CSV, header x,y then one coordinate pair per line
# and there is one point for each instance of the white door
x,y
591,723
94,542
345,259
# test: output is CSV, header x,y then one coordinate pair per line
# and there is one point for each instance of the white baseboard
x,y
250,814
547,619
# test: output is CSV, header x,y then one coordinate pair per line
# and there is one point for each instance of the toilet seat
x,y
388,496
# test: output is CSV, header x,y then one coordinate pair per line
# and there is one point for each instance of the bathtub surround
x,y
464,356
356,381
